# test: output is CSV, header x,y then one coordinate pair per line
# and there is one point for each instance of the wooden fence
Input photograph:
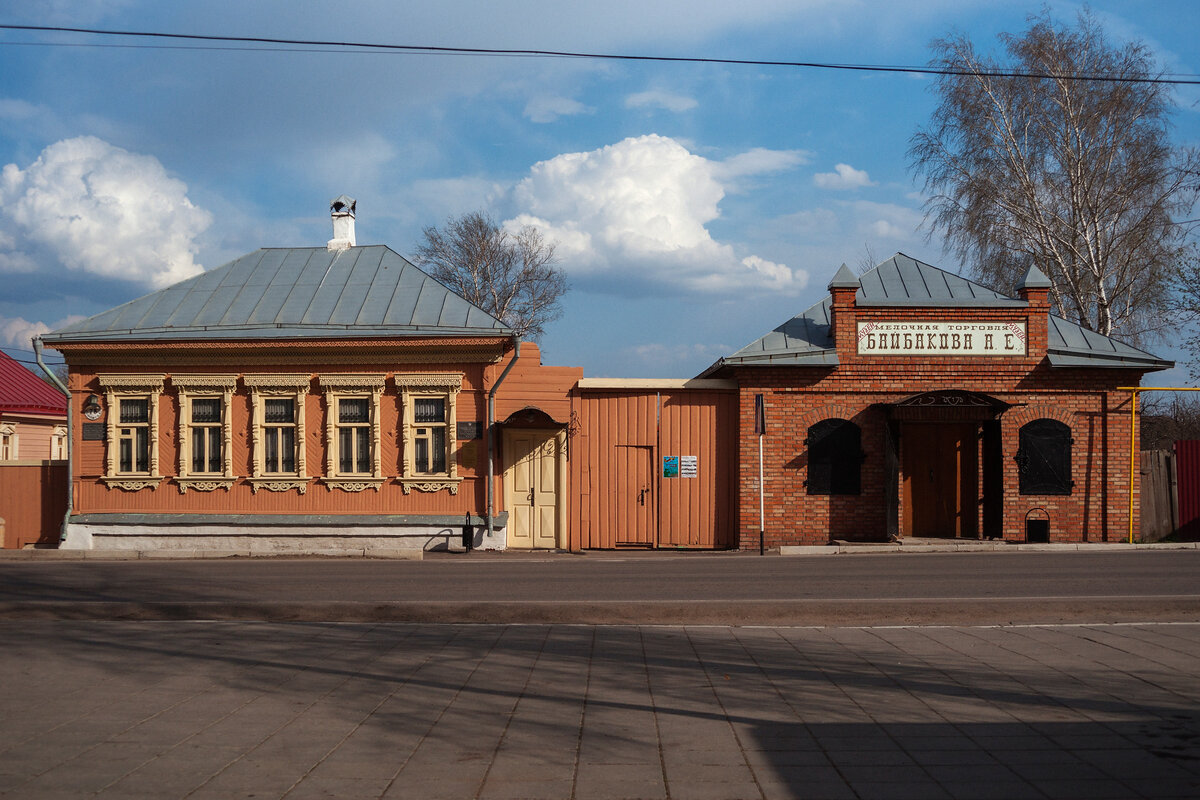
x,y
33,500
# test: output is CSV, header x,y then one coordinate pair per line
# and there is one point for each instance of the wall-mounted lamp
x,y
91,407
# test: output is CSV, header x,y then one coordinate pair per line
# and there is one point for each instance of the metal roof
x,y
306,292
902,281
22,392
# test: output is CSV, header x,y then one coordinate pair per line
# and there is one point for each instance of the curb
x,y
169,555
980,547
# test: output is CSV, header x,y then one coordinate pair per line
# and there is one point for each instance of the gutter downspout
x,y
491,410
37,349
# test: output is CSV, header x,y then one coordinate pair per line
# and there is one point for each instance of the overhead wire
x,y
345,46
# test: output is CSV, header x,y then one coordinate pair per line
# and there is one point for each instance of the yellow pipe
x,y
1133,393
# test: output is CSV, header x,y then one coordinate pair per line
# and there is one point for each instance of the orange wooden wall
x,y
623,433
33,500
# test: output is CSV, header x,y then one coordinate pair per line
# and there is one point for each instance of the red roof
x,y
22,392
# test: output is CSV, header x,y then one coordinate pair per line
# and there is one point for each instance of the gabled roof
x,y
902,281
306,292
22,392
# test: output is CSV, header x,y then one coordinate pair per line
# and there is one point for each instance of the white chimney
x,y
342,211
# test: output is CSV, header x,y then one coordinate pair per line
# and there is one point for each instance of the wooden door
x,y
940,479
635,513
532,487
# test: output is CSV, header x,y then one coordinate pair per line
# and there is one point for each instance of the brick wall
x,y
861,388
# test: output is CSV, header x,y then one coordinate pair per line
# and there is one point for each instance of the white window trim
x,y
443,385
58,443
8,442
295,387
117,386
193,387
337,387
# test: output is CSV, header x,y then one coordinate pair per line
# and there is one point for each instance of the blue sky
x,y
695,206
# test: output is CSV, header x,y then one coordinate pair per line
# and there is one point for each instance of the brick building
x,y
911,402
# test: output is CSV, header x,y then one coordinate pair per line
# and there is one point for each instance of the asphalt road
x,y
957,588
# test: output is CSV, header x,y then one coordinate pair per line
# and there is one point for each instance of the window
x,y
134,436
205,431
1044,457
278,433
8,442
428,403
429,437
58,443
352,432
354,435
834,457
131,430
279,436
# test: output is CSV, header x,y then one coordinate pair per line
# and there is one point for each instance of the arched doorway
x,y
945,459
534,449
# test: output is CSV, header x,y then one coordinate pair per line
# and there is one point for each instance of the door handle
x,y
531,497
642,497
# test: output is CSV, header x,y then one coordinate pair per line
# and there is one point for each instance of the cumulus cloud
x,y
657,356
635,213
844,176
95,208
19,332
547,108
664,100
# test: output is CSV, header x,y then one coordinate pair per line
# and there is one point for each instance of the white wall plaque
x,y
917,338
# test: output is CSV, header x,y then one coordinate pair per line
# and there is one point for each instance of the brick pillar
x,y
1034,289
844,312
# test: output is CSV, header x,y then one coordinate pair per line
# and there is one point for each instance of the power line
x,y
343,46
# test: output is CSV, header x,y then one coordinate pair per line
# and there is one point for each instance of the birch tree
x,y
1060,157
511,276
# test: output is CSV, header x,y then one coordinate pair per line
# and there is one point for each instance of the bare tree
x,y
511,276
1060,159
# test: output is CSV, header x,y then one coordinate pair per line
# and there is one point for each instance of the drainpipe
x,y
37,349
491,410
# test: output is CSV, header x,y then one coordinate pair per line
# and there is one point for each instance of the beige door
x,y
533,481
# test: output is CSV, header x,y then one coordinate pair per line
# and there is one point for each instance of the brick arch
x,y
1042,409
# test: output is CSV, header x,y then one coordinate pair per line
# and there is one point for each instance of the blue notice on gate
x,y
670,466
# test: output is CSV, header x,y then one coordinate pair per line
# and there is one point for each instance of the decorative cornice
x,y
342,382
450,381
292,381
127,381
190,382
278,484
204,484
353,484
431,485
133,484
8,428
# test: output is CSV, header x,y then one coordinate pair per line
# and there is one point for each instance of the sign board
x,y
469,430
893,338
94,431
689,466
670,467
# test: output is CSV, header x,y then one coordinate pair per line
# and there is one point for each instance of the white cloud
x,y
887,220
657,99
657,356
844,176
547,108
19,332
95,208
635,213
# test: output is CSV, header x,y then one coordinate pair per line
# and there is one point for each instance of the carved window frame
x,y
277,386
119,387
352,387
58,443
204,387
445,386
9,446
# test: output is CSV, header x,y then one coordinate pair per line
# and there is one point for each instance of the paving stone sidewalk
x,y
309,710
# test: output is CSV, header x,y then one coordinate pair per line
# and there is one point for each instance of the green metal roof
x,y
305,292
902,281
